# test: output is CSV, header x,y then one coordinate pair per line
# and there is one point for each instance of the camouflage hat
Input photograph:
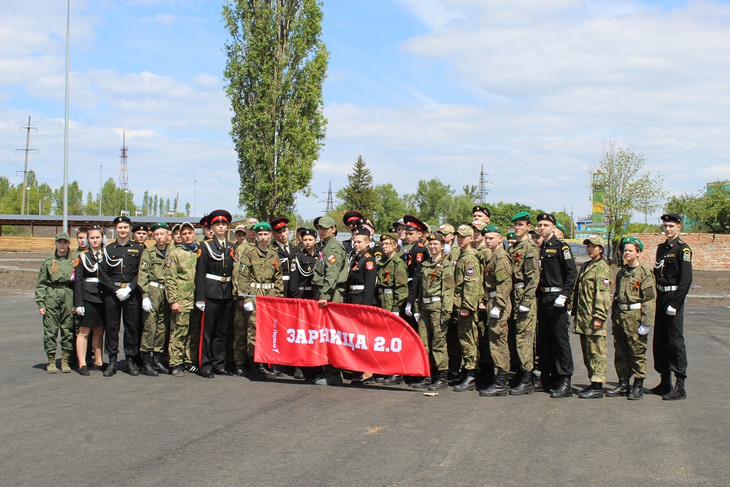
x,y
240,228
633,240
389,236
176,227
326,222
445,229
595,240
435,236
187,225
491,229
62,236
465,231
478,225
250,222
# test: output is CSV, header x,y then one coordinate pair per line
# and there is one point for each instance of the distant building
x,y
596,224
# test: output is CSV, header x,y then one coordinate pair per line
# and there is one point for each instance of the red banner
x,y
348,336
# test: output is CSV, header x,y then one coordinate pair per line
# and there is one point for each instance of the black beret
x,y
122,219
140,226
671,217
363,231
483,209
547,216
308,232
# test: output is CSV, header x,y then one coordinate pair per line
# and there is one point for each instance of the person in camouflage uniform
x,y
632,315
591,303
468,288
392,275
433,307
259,274
525,278
54,297
151,282
237,339
498,289
179,278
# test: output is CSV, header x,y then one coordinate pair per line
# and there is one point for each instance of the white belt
x,y
218,278
410,279
493,294
518,285
285,278
305,288
157,284
91,279
258,285
433,299
357,287
551,289
626,307
665,289
386,290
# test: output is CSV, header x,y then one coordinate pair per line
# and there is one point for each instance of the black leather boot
x,y
664,387
525,385
147,367
132,368
677,391
564,389
637,392
499,387
441,382
111,369
157,362
422,384
468,384
593,391
620,390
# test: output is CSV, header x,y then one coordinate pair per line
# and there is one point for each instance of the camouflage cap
x,y
465,231
435,236
595,240
478,225
633,240
445,229
62,236
326,222
389,236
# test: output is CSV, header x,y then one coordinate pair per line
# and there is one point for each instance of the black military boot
x,y
157,362
422,384
524,386
499,387
637,392
132,368
677,391
593,391
468,384
392,380
664,387
441,382
147,367
620,390
111,369
564,389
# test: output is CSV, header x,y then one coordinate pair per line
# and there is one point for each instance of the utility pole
x,y
25,171
482,188
123,171
330,201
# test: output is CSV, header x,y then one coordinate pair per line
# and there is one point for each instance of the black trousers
x,y
553,346
670,353
115,311
213,333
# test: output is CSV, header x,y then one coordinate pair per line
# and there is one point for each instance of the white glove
x,y
643,330
560,301
80,311
147,304
395,313
494,312
417,316
408,309
200,305
123,293
523,309
671,311
248,306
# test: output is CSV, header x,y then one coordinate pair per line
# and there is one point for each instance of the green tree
x,y
389,207
75,200
276,64
460,210
114,199
359,194
432,200
704,212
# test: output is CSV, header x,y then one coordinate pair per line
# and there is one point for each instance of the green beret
x,y
491,229
157,225
511,236
633,240
262,227
560,226
522,215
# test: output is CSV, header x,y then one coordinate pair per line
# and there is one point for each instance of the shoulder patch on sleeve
x,y
168,263
606,281
143,266
419,257
687,255
566,253
332,259
469,271
370,265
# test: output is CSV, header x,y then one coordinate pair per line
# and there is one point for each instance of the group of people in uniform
x,y
492,312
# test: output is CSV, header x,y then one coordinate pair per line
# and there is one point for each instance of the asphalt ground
x,y
66,429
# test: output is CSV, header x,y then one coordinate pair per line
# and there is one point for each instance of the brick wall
x,y
709,251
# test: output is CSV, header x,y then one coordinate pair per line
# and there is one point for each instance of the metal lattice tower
x,y
482,188
330,201
123,171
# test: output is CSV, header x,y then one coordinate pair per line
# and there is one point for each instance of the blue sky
x,y
419,88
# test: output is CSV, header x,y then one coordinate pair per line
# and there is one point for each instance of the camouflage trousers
x,y
184,337
433,336
522,330
239,335
629,346
251,335
594,356
468,339
156,323
58,318
498,343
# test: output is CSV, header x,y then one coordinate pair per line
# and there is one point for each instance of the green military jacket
x,y
468,281
525,272
498,281
634,285
54,275
179,276
592,297
392,283
259,273
152,270
437,281
330,271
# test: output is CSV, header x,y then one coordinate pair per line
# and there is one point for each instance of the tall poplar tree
x,y
275,69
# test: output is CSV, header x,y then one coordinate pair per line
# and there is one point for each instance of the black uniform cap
x,y
219,215
140,226
278,223
671,217
483,209
122,219
353,217
413,223
363,231
547,216
308,232
204,221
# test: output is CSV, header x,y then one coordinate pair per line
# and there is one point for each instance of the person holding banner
x,y
300,281
392,276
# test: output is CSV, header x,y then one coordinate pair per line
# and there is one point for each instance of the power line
x,y
25,171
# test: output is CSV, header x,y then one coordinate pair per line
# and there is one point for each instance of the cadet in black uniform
x,y
414,253
353,219
118,275
375,247
280,231
213,293
363,275
673,272
302,267
557,277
